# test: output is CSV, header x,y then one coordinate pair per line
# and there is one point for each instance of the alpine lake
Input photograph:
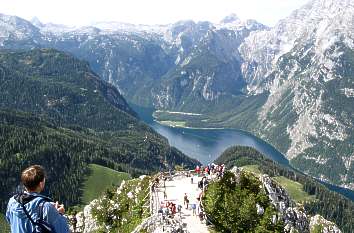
x,y
206,145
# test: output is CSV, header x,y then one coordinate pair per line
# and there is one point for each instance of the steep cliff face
x,y
208,64
316,26
305,64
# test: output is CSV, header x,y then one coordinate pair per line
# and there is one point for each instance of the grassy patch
x,y
294,189
4,226
252,168
99,180
316,229
174,123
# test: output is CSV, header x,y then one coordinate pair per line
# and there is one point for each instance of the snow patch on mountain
x,y
233,22
13,27
319,159
294,63
325,22
348,92
208,93
348,161
112,27
314,32
163,98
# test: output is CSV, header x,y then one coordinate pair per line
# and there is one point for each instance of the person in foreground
x,y
30,211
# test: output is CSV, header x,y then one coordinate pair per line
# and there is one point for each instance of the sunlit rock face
x,y
305,63
291,84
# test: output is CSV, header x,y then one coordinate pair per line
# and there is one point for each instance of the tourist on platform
x,y
206,170
198,205
197,170
185,199
164,181
194,207
173,208
165,194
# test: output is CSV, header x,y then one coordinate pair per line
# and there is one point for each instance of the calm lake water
x,y
206,145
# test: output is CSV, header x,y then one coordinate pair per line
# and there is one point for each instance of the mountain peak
x,y
232,18
36,22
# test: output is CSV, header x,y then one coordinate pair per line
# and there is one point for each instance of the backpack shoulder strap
x,y
40,208
27,214
24,198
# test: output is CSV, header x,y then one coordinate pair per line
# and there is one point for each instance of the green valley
x,y
99,179
295,189
56,112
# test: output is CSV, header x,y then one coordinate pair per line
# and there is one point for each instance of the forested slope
x,y
56,112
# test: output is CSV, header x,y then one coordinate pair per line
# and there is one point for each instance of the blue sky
x,y
83,12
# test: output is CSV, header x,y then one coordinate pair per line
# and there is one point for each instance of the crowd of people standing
x,y
200,176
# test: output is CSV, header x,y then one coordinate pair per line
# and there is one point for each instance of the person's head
x,y
33,178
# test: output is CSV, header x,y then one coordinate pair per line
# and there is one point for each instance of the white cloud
x,y
81,12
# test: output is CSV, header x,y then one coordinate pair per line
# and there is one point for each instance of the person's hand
x,y
60,208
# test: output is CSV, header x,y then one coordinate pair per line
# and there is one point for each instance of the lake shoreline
x,y
188,127
198,143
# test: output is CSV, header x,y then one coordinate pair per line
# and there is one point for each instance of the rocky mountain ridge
x,y
119,53
291,84
304,63
295,218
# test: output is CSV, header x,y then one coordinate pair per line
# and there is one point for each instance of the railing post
x,y
151,201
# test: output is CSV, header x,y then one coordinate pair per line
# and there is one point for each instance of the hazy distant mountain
x,y
291,84
18,33
138,58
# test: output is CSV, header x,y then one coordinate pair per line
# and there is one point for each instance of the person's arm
x,y
8,212
54,218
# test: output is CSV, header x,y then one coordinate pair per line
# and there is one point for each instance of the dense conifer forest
x,y
56,112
